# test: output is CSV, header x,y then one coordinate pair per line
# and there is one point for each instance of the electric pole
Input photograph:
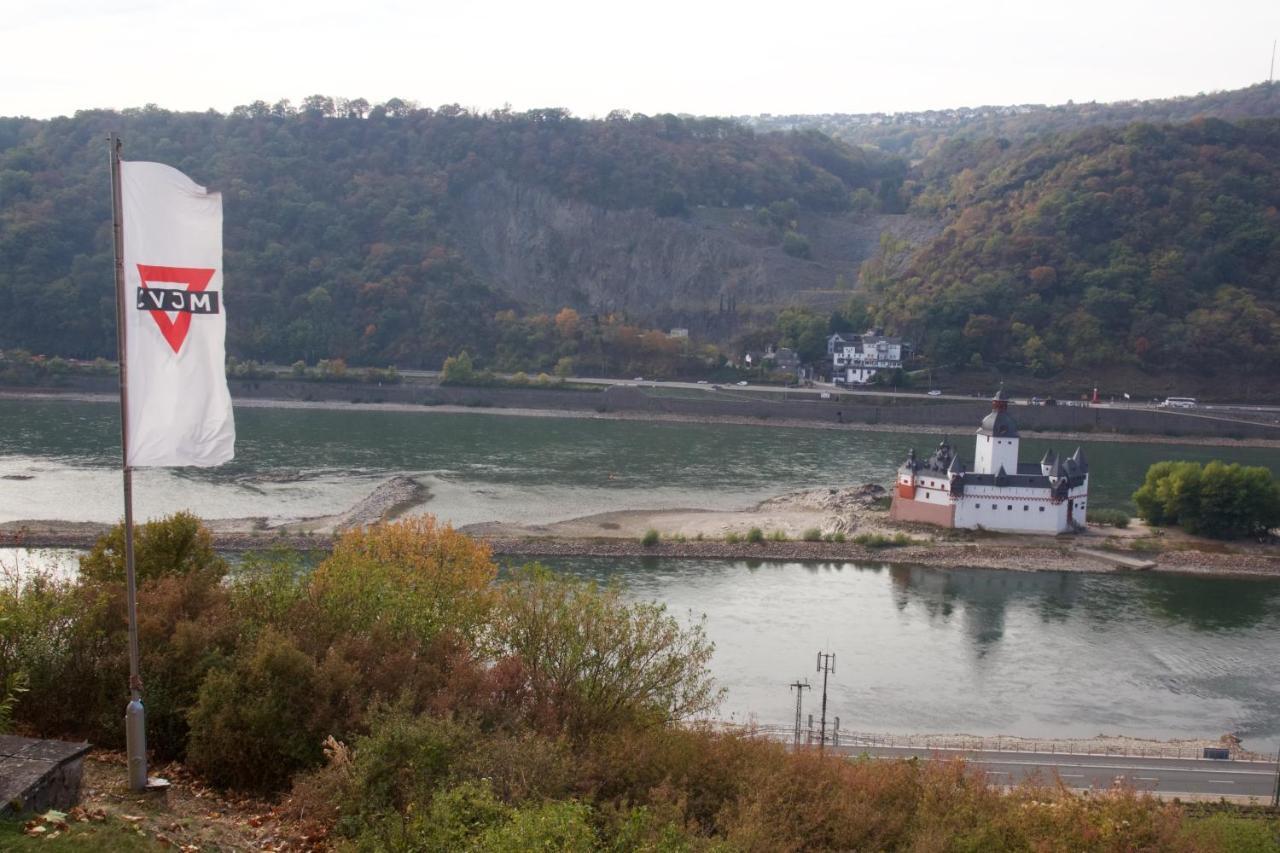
x,y
799,687
1275,796
826,666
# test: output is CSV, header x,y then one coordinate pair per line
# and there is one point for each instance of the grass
x,y
879,540
778,536
882,503
107,835
732,538
650,538
813,534
755,535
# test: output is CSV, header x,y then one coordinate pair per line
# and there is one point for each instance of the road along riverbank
x,y
735,406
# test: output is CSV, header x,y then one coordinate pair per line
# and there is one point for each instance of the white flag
x,y
175,320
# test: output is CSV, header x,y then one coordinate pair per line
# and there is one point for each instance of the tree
x,y
177,544
1217,500
796,245
458,369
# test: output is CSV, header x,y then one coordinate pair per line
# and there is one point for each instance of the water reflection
x,y
983,596
1032,653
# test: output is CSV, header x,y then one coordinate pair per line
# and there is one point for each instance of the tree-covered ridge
x,y
338,214
918,135
1152,246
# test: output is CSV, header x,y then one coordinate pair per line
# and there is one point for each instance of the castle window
x,y
1042,509
1025,507
1011,507
993,506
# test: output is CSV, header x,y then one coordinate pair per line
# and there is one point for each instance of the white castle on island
x,y
998,492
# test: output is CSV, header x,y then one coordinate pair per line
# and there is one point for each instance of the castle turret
x,y
996,446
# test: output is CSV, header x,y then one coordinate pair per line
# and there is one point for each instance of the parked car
x,y
934,392
702,382
743,382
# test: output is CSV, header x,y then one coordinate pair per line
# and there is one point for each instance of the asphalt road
x,y
1168,776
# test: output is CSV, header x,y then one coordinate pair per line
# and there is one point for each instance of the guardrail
x,y
838,738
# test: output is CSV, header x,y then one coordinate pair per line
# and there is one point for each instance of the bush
x,y
257,724
177,544
595,661
755,535
1109,517
778,536
650,538
732,538
409,578
813,534
564,827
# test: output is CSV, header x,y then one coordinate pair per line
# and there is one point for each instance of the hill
x,y
1151,246
916,135
392,233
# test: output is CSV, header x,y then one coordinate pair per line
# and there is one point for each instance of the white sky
x,y
711,58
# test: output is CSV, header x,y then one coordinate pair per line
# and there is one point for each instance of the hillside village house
x,y
857,358
997,492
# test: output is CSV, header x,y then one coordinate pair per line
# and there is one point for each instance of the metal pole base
x,y
135,739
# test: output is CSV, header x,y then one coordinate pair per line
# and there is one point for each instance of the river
x,y
981,651
918,650
58,460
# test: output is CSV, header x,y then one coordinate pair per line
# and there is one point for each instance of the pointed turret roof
x,y
1049,457
1082,464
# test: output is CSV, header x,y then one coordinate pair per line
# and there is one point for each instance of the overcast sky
x,y
711,58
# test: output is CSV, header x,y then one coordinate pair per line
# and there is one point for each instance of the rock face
x,y
548,252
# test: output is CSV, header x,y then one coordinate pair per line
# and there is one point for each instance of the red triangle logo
x,y
196,280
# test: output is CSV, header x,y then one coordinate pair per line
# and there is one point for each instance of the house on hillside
x,y
855,359
996,492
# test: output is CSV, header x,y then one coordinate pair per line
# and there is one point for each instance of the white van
x,y
1179,403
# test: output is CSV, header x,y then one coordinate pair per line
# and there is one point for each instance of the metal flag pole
x,y
135,729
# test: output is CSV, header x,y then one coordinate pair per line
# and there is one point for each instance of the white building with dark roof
x,y
997,492
855,359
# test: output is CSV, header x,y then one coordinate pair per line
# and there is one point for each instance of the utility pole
x,y
799,687
1275,796
826,666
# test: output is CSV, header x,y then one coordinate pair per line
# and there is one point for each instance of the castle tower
x,y
996,446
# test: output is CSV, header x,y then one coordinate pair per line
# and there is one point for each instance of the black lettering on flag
x,y
182,301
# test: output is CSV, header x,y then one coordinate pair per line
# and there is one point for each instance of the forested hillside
x,y
342,219
1152,246
394,234
916,135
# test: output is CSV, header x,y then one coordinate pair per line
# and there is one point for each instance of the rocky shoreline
x,y
942,555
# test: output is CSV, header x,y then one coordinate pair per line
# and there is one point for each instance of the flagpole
x,y
135,730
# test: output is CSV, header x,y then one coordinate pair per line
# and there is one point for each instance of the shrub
x,y
256,724
778,536
412,577
1109,517
594,660
563,826
177,544
813,534
755,535
650,538
838,537
732,538
879,540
